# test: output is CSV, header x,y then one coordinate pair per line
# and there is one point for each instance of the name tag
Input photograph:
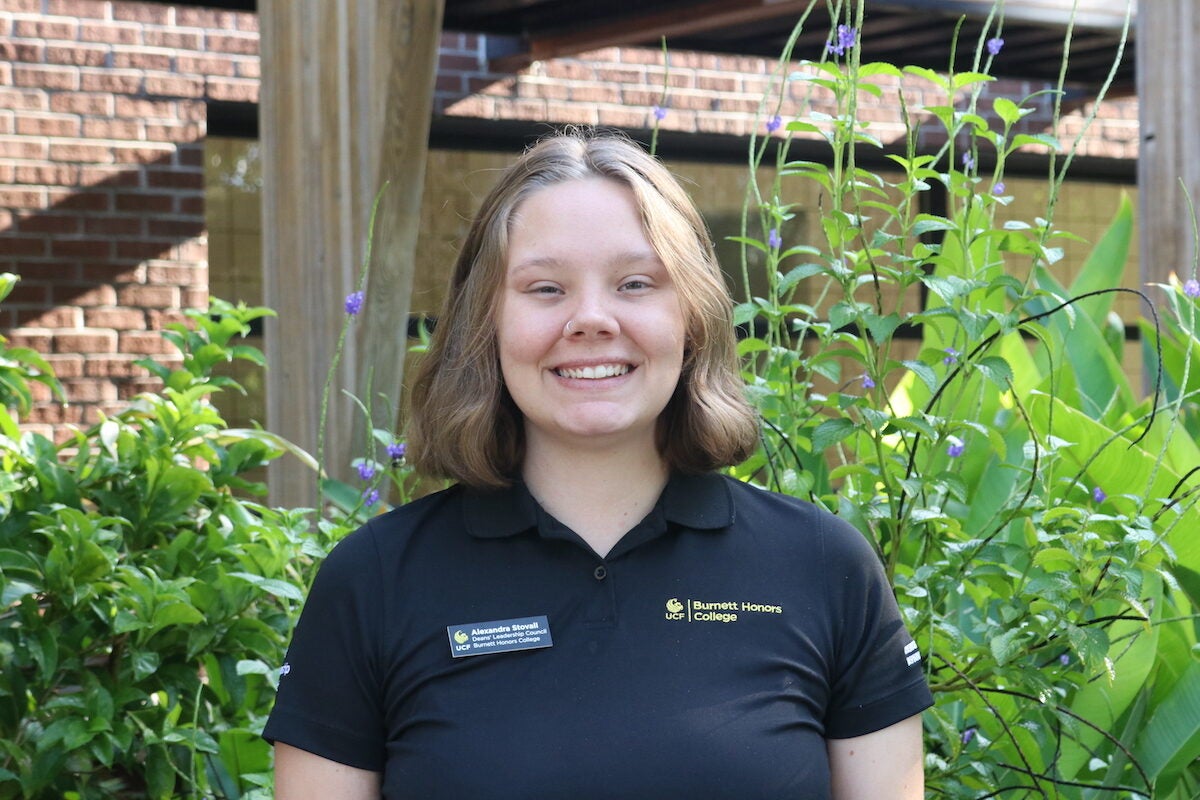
x,y
501,636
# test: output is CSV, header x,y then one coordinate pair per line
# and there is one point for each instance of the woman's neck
x,y
600,494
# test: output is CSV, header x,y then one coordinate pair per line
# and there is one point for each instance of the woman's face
x,y
589,324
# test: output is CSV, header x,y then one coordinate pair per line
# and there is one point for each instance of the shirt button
x,y
600,572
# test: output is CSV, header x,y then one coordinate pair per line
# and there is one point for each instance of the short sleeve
x,y
328,701
878,677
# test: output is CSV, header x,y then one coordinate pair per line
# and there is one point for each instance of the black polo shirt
x,y
708,655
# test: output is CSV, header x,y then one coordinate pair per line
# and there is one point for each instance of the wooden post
x,y
1169,152
345,107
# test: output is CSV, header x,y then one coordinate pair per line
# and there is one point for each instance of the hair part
x,y
464,425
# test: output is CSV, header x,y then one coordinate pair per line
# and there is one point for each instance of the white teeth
x,y
592,373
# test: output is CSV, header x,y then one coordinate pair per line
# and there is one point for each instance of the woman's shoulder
x,y
794,520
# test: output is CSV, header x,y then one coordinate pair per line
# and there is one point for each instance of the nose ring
x,y
569,329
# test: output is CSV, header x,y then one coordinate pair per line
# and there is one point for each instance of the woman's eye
x,y
544,289
635,285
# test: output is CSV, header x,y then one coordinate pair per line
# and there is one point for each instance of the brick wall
x,y
102,124
721,94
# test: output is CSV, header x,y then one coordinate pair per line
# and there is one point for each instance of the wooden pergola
x,y
346,105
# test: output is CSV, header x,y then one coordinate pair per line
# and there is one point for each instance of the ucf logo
x,y
674,609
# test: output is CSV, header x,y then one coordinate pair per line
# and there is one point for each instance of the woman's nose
x,y
592,315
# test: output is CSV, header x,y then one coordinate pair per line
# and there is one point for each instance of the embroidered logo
x,y
715,611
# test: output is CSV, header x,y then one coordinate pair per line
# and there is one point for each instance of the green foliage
x,y
145,600
19,366
1035,513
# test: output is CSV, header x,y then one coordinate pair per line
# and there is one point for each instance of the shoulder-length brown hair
x,y
464,425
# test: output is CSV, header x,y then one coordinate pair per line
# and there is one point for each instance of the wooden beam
x,y
650,27
345,105
1169,151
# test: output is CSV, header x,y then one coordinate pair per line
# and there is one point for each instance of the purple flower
x,y
868,382
1064,659
968,735
396,451
370,497
956,447
1098,495
773,239
1192,288
354,303
951,356
774,123
968,162
998,189
660,113
847,37
366,471
995,45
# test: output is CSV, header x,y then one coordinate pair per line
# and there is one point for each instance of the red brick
x,y
110,80
45,29
243,45
205,18
247,22
49,271
77,55
139,108
82,103
236,90
114,272
110,33
23,6
172,38
84,294
177,132
48,174
77,8
23,245
23,99
191,110
115,226
66,366
82,248
32,52
122,129
176,228
249,68
145,343
22,147
23,198
141,60
151,13
174,86
174,179
81,200
46,77
46,125
142,249
109,176
49,223
90,391
153,203
120,319
143,154
190,250
176,275
57,317
85,340
56,414
113,367
82,153
39,341
149,296
193,298
161,318
191,206
190,155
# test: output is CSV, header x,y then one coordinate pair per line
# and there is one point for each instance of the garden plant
x,y
931,377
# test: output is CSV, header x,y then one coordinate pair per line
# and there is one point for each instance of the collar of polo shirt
x,y
699,502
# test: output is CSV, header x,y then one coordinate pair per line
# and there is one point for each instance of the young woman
x,y
592,611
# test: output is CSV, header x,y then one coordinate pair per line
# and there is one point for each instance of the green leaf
x,y
1172,734
272,586
830,432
